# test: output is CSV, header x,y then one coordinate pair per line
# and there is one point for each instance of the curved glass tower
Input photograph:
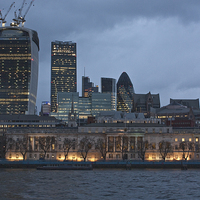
x,y
125,93
18,70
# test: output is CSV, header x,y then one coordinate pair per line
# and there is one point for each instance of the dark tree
x,y
121,144
186,147
84,146
8,144
67,145
22,145
45,144
142,146
101,145
165,147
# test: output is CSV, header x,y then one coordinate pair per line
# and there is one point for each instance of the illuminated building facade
x,y
63,70
65,100
88,87
100,102
18,70
121,143
84,107
108,85
125,93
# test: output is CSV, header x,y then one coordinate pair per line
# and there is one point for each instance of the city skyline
x,y
156,45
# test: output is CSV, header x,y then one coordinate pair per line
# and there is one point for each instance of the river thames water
x,y
100,184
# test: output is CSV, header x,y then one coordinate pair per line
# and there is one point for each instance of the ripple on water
x,y
100,184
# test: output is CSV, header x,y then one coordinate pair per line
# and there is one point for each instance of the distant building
x,y
143,102
177,115
108,85
190,103
18,70
45,108
88,87
85,110
63,70
84,107
64,106
121,117
125,93
100,102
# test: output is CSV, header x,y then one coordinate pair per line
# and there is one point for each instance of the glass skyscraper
x,y
18,70
63,70
100,102
108,85
125,93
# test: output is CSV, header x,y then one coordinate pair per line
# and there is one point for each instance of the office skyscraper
x,y
125,93
63,70
108,85
18,70
88,87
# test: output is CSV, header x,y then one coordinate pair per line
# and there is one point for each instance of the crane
x,y
21,19
3,18
18,18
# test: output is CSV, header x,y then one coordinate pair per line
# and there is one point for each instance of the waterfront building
x,y
143,103
18,70
125,93
122,141
108,85
88,87
63,70
21,122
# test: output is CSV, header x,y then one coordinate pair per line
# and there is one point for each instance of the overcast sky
x,y
157,42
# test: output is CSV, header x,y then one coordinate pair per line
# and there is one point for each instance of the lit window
x,y
183,139
190,139
176,139
197,139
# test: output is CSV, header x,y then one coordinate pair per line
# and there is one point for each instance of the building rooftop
x,y
127,125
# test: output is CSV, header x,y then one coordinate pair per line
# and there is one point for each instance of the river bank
x,y
105,164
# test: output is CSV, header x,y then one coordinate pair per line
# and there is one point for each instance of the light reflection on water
x,y
99,184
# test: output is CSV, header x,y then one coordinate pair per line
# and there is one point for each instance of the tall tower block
x,y
63,70
18,70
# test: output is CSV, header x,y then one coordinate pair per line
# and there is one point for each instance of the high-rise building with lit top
x,y
18,70
63,70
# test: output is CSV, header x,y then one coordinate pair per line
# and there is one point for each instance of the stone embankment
x,y
107,164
